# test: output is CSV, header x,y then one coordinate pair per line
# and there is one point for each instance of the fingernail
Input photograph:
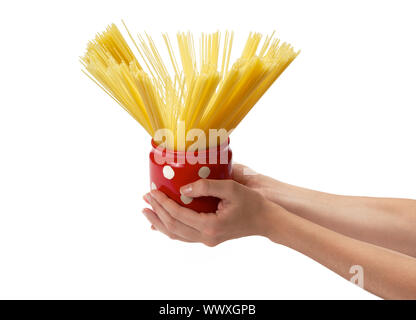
x,y
186,189
147,198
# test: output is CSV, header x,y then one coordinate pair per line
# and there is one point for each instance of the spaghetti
x,y
206,93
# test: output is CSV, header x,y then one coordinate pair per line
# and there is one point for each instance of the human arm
x,y
386,222
244,212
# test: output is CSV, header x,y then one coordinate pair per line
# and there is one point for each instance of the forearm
x,y
387,274
390,223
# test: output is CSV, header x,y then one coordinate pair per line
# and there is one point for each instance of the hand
x,y
266,186
241,212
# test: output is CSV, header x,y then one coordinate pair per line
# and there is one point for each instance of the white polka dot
x,y
153,186
204,172
186,200
168,172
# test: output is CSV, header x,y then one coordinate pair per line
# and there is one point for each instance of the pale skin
x,y
378,234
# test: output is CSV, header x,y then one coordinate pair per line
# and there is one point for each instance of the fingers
x,y
241,173
157,224
153,219
209,231
222,189
171,224
182,214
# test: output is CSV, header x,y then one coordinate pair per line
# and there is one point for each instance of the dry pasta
x,y
203,91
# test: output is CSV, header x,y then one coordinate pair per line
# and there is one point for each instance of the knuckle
x,y
211,243
228,185
163,201
203,186
172,236
232,185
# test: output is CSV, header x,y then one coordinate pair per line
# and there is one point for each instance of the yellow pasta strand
x,y
204,94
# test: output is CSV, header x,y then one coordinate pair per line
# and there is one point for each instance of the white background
x,y
74,165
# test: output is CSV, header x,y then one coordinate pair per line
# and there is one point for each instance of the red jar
x,y
170,170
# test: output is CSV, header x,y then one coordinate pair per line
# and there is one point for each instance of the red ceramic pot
x,y
170,170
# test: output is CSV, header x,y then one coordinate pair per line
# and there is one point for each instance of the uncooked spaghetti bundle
x,y
181,101
202,91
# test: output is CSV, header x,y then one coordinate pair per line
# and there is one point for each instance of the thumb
x,y
209,187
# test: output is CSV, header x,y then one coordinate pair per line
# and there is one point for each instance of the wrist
x,y
272,221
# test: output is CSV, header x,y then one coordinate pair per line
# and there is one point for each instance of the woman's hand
x,y
266,186
245,210
241,212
